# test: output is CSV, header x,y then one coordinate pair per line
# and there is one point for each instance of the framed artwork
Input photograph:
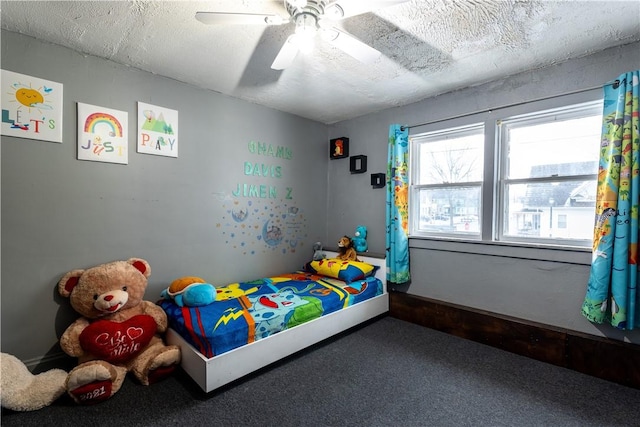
x,y
339,148
31,107
102,134
157,130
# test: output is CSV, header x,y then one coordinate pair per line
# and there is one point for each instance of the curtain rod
x,y
615,84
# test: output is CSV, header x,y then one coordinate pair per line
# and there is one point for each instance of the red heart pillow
x,y
117,342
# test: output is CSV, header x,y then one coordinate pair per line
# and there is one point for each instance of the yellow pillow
x,y
347,271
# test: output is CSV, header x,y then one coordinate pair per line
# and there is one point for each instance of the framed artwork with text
x,y
31,107
102,134
157,130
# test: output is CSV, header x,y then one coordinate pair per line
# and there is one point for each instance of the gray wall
x,y
512,281
59,213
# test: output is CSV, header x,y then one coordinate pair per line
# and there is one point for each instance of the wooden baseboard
x,y
600,357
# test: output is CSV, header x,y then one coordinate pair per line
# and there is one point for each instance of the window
x,y
446,185
548,174
533,176
562,221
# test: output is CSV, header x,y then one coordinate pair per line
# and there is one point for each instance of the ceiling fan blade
x,y
351,45
287,54
228,18
346,8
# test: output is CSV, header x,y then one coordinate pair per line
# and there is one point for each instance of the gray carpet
x,y
385,373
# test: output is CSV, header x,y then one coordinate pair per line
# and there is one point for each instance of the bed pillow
x,y
347,271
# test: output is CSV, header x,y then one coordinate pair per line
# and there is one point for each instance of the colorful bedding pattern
x,y
263,307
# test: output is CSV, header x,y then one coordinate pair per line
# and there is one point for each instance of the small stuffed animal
x,y
190,291
360,239
20,390
318,254
118,332
345,249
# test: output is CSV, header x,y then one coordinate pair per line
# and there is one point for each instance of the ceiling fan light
x,y
306,29
306,25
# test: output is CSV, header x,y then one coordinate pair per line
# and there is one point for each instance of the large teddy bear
x,y
117,333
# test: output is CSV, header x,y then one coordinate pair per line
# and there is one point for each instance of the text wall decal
x,y
262,216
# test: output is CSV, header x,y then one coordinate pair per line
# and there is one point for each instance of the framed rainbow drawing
x,y
102,134
157,130
31,107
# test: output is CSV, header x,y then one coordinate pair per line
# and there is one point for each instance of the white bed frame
x,y
212,373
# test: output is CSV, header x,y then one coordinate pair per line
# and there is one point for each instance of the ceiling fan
x,y
311,17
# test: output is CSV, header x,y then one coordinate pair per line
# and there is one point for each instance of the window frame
x,y
571,111
488,244
414,189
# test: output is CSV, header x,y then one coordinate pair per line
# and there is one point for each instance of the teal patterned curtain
x,y
398,206
612,288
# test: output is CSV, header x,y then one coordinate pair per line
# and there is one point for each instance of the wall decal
x,y
261,215
263,173
102,134
31,107
157,130
261,226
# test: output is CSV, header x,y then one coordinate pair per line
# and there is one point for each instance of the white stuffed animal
x,y
318,254
20,390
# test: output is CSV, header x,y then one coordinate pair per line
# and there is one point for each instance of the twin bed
x,y
254,324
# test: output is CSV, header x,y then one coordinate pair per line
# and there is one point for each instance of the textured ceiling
x,y
429,47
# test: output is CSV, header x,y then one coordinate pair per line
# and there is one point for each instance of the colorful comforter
x,y
248,311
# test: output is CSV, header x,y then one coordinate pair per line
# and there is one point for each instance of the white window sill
x,y
569,255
